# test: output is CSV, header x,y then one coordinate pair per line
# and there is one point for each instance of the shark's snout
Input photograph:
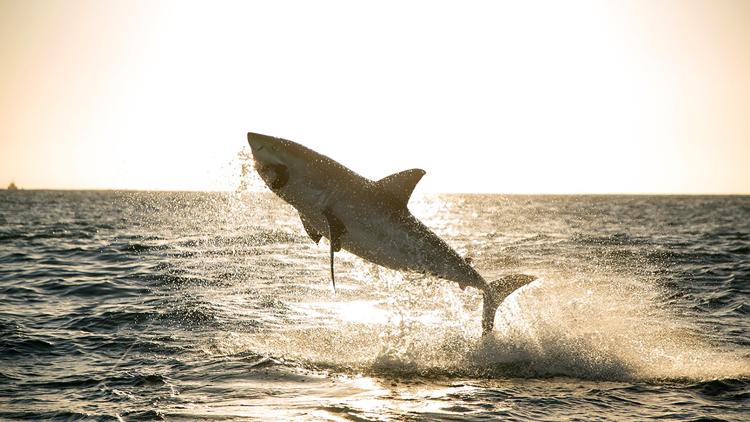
x,y
257,141
263,148
268,161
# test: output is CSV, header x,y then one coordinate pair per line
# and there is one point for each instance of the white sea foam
x,y
591,327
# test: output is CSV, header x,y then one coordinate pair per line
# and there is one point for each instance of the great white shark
x,y
368,218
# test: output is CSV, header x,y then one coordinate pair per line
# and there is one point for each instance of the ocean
x,y
216,306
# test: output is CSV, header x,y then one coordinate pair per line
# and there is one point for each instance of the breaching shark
x,y
368,218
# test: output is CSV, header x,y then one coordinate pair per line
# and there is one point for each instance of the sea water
x,y
217,306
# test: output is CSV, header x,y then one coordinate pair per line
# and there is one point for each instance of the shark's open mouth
x,y
278,175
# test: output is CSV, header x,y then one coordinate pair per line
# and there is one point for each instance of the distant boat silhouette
x,y
12,186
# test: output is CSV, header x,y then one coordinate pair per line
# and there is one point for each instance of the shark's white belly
x,y
400,242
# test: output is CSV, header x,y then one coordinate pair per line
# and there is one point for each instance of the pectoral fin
x,y
314,235
335,230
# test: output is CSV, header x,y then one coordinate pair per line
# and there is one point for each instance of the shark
x,y
369,218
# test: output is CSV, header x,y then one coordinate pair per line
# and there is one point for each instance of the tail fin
x,y
499,290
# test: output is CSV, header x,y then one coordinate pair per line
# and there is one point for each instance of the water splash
x,y
605,327
589,327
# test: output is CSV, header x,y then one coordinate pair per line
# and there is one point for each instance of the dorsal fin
x,y
401,184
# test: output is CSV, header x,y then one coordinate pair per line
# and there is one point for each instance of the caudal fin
x,y
499,290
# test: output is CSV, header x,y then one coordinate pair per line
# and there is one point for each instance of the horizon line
x,y
423,193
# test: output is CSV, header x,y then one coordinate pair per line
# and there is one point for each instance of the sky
x,y
486,96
